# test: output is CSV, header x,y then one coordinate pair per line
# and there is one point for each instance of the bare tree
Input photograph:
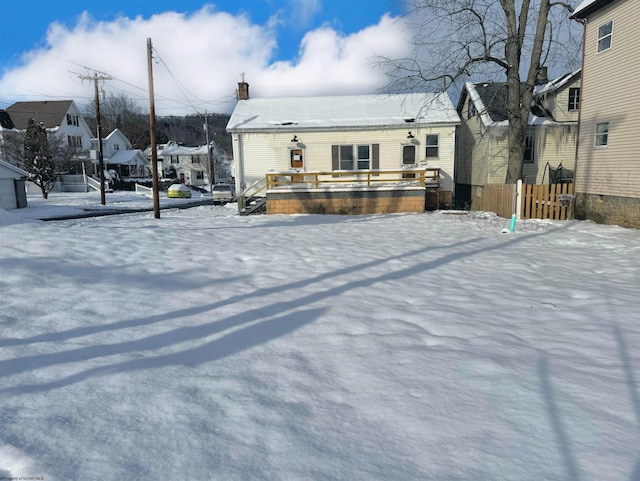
x,y
121,112
514,39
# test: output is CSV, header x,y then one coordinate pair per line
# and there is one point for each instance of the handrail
x,y
144,190
254,189
95,184
424,177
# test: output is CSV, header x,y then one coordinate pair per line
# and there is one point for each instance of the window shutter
x,y
335,158
375,156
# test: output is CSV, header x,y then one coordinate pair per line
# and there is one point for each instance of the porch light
x,y
295,138
410,136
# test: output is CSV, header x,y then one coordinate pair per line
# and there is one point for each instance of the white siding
x,y
255,154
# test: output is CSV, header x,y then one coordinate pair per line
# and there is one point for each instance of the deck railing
x,y
424,177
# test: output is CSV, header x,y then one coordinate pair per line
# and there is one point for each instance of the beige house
x,y
482,150
343,133
608,158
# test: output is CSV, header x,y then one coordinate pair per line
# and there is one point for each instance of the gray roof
x,y
50,112
331,112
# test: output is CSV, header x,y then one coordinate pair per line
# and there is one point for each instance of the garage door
x,y
7,194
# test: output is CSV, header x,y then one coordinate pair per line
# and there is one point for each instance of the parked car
x,y
222,193
178,191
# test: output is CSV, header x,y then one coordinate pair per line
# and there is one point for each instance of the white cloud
x,y
202,56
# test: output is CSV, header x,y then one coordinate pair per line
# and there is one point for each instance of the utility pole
x,y
210,160
152,128
96,79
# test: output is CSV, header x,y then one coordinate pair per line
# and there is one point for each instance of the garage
x,y
12,189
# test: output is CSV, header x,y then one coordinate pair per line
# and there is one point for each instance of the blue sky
x,y
327,45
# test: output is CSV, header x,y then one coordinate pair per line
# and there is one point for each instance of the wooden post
x,y
152,132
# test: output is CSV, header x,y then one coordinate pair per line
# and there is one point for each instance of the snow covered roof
x,y
330,112
177,149
126,157
490,100
589,6
556,83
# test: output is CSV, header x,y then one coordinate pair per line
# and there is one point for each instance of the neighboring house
x,y
118,156
482,150
60,117
13,194
357,132
190,165
608,158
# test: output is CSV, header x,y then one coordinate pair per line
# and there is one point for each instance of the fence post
x,y
519,199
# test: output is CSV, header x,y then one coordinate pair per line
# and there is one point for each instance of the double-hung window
x,y
364,156
574,98
432,146
529,151
602,134
355,157
605,33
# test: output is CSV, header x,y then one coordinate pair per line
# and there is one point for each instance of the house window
x,y
116,146
73,120
604,36
355,157
199,175
74,141
174,159
574,98
346,157
432,146
472,109
408,154
602,134
195,159
364,156
529,153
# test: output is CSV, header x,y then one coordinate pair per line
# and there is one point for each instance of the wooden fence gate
x,y
533,201
547,201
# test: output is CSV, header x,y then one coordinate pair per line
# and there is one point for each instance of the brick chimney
x,y
243,90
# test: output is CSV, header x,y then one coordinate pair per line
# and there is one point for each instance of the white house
x,y
356,132
191,164
12,186
118,156
61,117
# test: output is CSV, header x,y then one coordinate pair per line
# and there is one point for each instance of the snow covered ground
x,y
208,346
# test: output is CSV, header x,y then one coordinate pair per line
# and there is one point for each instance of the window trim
x,y
529,145
435,146
574,100
415,155
602,135
601,38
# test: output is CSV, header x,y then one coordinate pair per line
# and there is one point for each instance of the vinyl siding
x,y
555,145
257,153
609,78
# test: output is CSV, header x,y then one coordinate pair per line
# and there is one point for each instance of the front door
x,y
409,160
